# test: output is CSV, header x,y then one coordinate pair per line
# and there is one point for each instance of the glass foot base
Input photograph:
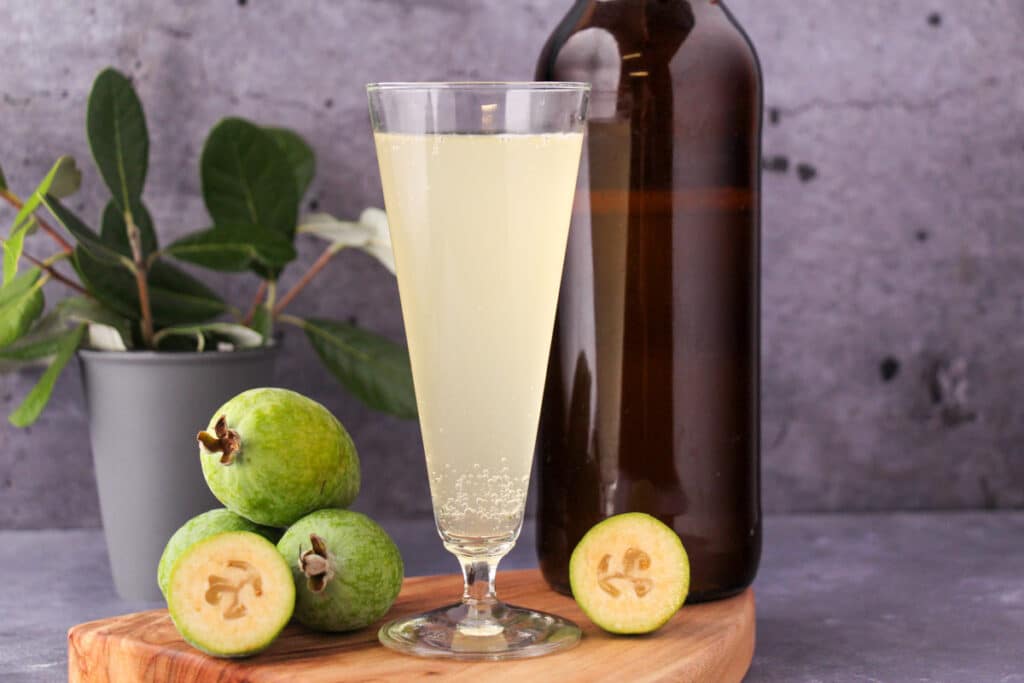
x,y
507,632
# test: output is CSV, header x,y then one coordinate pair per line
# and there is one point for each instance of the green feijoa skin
x,y
346,568
273,456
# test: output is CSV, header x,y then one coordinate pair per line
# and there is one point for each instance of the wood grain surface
x,y
712,642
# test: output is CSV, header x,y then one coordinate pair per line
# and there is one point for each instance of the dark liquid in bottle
x,y
651,401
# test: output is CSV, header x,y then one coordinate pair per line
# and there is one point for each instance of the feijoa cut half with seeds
x,y
201,526
230,595
630,573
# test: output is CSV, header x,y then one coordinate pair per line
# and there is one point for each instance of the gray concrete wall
x,y
893,211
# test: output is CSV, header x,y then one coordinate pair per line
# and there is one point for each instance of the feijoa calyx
x,y
347,570
273,456
630,573
230,594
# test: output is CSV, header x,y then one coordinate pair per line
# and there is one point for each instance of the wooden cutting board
x,y
712,642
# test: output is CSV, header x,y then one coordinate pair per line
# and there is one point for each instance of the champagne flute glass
x,y
478,183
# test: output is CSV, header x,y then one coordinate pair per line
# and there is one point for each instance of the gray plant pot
x,y
144,411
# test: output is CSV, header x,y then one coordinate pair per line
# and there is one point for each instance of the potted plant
x,y
159,350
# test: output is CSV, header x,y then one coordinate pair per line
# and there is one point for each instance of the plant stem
x,y
47,228
60,256
141,271
152,258
271,293
317,266
256,300
47,266
147,314
271,298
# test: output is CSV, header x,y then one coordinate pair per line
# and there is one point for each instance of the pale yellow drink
x,y
478,226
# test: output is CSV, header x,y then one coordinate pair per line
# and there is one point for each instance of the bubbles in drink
x,y
478,501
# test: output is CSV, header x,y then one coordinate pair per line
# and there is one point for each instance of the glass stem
x,y
478,592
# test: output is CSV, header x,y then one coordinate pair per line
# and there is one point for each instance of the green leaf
x,y
192,332
39,396
65,182
87,239
21,302
117,136
64,174
3,180
114,231
247,178
115,288
370,233
263,320
300,156
32,349
374,369
37,346
82,310
175,297
178,298
13,247
234,247
231,334
26,350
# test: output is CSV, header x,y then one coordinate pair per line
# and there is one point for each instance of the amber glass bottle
x,y
651,401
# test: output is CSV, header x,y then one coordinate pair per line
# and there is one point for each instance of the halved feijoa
x,y
202,526
630,573
229,595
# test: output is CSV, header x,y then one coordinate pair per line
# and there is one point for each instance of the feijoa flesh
x,y
630,573
230,595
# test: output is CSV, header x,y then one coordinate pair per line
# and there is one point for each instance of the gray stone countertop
x,y
900,597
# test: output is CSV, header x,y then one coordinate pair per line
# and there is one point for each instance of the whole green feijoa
x,y
272,456
203,526
347,570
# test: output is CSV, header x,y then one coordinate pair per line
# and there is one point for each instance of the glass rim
x,y
533,86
